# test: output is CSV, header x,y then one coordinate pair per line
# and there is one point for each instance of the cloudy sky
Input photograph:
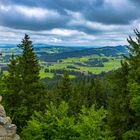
x,y
69,22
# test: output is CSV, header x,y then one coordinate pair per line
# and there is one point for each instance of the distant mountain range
x,y
51,53
107,51
50,46
76,60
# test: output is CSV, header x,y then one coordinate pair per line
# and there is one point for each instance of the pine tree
x,y
133,61
29,71
11,87
119,116
13,79
134,57
28,62
24,93
124,119
65,87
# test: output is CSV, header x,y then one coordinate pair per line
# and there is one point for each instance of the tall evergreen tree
x,y
29,71
119,115
133,61
125,106
28,62
11,87
24,91
65,87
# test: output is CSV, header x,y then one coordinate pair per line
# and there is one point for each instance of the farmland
x,y
55,60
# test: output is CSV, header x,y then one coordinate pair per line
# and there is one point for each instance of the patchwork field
x,y
55,60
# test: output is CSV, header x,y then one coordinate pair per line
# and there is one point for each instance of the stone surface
x,y
7,129
2,111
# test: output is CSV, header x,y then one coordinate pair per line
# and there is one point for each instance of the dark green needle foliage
x,y
125,104
65,87
24,93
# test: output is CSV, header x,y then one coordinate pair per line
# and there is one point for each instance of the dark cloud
x,y
97,10
39,15
110,16
135,1
34,21
92,10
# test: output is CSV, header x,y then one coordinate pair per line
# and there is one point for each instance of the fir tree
x,y
65,87
24,93
11,87
28,62
29,71
125,106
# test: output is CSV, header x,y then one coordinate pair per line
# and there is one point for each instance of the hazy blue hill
x,y
51,53
74,60
7,46
107,51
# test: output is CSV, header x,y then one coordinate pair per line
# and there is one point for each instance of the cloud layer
x,y
70,22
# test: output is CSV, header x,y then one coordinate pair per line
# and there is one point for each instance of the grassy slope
x,y
113,63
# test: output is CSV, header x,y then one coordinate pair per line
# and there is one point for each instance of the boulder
x,y
7,129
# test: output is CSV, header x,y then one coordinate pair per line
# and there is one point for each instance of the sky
x,y
69,22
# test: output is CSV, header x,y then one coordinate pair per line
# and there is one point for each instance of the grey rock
x,y
16,137
7,129
3,120
2,111
3,131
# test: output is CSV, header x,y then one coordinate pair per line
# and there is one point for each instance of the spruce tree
x,y
133,61
28,62
65,87
119,116
124,114
11,89
24,93
29,71
134,57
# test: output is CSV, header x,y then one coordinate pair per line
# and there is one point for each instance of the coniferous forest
x,y
85,108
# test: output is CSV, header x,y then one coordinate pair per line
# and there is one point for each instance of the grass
x,y
108,66
113,63
44,74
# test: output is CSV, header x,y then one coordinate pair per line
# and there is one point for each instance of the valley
x,y
56,60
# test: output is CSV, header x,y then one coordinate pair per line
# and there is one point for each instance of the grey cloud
x,y
135,1
100,11
94,10
15,19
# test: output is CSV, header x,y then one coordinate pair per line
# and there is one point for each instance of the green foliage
x,y
91,125
55,124
23,90
29,66
135,97
65,87
100,94
131,135
124,108
34,130
119,117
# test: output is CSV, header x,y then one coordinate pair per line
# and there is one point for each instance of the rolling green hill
x,y
55,60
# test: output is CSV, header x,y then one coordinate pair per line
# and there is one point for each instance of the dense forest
x,y
105,107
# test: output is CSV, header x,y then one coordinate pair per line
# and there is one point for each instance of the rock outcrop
x,y
7,129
